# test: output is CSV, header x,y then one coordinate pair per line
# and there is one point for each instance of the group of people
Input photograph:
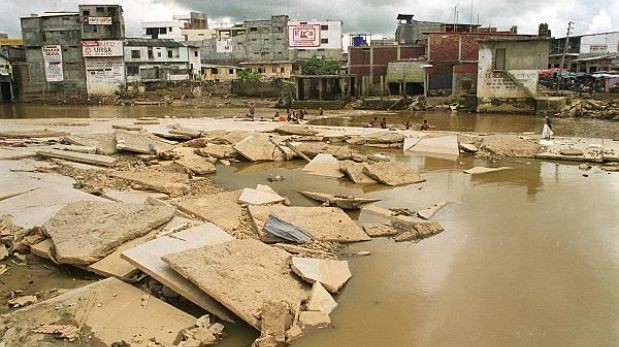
x,y
405,126
292,117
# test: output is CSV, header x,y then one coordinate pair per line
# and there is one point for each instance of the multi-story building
x,y
412,31
587,53
275,39
191,27
103,31
157,60
12,67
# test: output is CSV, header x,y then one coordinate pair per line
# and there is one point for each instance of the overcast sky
x,y
367,16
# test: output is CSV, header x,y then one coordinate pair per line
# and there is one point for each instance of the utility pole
x,y
565,48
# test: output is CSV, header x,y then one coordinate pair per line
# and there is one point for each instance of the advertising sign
x,y
304,35
52,57
224,46
98,20
106,48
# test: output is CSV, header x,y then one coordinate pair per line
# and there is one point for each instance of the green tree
x,y
248,75
320,67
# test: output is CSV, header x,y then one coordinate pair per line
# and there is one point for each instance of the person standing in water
x,y
547,131
383,123
425,125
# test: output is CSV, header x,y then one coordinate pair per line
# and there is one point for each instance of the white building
x,y
315,34
191,27
601,43
152,60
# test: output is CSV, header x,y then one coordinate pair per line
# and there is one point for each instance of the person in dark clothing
x,y
383,123
425,125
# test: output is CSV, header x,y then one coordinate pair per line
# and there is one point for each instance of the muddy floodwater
x,y
529,257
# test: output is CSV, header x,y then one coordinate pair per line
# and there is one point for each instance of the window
x,y
274,69
170,29
195,54
150,53
158,54
230,71
100,10
253,29
282,69
324,40
303,23
135,54
261,69
133,70
324,27
86,13
169,53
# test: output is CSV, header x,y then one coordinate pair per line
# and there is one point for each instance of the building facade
x,y
212,72
586,53
507,74
13,68
158,60
191,27
269,69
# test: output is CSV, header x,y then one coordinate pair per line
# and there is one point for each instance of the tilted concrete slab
x,y
221,209
147,257
392,174
322,223
260,196
242,275
332,274
354,171
321,300
87,158
482,170
443,145
85,232
107,311
427,213
325,165
173,184
194,163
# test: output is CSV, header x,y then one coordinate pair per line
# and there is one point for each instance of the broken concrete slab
x,y
258,147
392,174
325,165
139,142
321,300
296,130
322,223
194,163
343,202
482,170
105,143
443,145
147,257
427,213
217,151
34,133
332,274
87,158
412,230
234,274
180,130
379,229
383,137
260,196
281,229
221,209
275,319
85,232
468,147
410,142
131,196
108,311
80,166
13,184
170,183
354,171
34,208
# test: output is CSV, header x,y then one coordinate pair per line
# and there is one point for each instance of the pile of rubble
x,y
138,207
588,108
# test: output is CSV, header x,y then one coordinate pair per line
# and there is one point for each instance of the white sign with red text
x,y
106,48
304,35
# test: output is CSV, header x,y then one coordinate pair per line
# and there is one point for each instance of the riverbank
x,y
443,180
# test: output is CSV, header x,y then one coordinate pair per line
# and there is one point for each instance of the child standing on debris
x,y
547,132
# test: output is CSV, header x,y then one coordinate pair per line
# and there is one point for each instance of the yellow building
x,y
270,69
212,72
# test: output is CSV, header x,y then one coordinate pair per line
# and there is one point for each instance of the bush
x,y
248,75
320,67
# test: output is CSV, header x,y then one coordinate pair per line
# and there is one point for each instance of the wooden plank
x,y
147,257
87,158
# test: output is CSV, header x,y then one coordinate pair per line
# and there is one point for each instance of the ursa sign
x,y
106,48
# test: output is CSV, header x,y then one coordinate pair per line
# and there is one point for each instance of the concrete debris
x,y
610,168
180,130
87,158
37,133
379,229
296,130
325,165
4,253
482,170
571,151
501,146
354,171
362,253
321,300
22,301
262,195
385,137
392,174
468,147
441,146
62,331
275,319
412,230
234,274
584,166
221,209
105,143
217,151
139,142
170,183
109,310
332,274
193,163
131,196
376,157
589,108
321,223
311,320
147,257
343,202
85,232
259,148
312,149
299,250
427,213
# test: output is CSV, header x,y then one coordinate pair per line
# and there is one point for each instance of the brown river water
x,y
529,256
